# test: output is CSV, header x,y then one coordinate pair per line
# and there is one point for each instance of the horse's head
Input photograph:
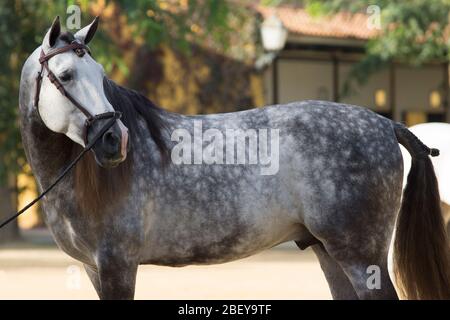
x,y
82,79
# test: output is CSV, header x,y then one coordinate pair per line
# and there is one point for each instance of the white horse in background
x,y
438,135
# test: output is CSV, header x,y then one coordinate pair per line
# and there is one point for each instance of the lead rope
x,y
108,125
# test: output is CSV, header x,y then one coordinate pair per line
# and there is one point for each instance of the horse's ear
x,y
86,34
52,34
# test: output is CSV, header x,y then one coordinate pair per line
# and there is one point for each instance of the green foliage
x,y
180,25
23,24
411,31
18,24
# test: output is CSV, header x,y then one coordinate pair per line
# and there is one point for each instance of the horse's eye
x,y
65,77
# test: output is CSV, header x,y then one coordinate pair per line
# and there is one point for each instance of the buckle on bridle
x,y
79,52
82,50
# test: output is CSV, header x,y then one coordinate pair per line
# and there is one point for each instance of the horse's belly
x,y
200,258
220,247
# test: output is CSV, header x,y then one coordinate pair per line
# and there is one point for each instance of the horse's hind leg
x,y
340,286
359,242
367,271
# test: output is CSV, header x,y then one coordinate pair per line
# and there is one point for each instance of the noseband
x,y
79,49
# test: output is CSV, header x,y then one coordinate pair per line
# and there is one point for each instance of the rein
x,y
79,49
108,125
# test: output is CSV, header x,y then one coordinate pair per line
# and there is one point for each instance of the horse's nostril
x,y
111,142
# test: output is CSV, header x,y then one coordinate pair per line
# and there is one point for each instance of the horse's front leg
x,y
117,276
93,276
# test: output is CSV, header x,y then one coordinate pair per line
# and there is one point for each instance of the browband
x,y
76,46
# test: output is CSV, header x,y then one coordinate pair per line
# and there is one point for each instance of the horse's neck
x,y
47,152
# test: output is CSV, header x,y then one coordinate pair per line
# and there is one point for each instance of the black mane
x,y
133,104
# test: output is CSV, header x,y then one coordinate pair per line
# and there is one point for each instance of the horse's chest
x,y
77,243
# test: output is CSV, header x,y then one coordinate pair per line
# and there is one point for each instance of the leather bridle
x,y
79,49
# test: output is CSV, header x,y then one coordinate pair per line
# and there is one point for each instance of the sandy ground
x,y
38,270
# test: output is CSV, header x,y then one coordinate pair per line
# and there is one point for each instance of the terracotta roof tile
x,y
340,25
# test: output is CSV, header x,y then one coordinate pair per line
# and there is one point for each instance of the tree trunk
x,y
9,232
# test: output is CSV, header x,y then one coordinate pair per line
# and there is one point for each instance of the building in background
x,y
319,54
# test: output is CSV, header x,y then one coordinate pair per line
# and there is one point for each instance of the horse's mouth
x,y
109,163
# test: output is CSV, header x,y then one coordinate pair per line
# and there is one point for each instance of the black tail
x,y
421,252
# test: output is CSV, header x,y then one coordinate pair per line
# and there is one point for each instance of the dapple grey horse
x,y
338,186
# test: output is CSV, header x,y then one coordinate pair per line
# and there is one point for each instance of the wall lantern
x,y
380,98
435,99
273,34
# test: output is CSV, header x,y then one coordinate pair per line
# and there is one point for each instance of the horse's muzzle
x,y
113,146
